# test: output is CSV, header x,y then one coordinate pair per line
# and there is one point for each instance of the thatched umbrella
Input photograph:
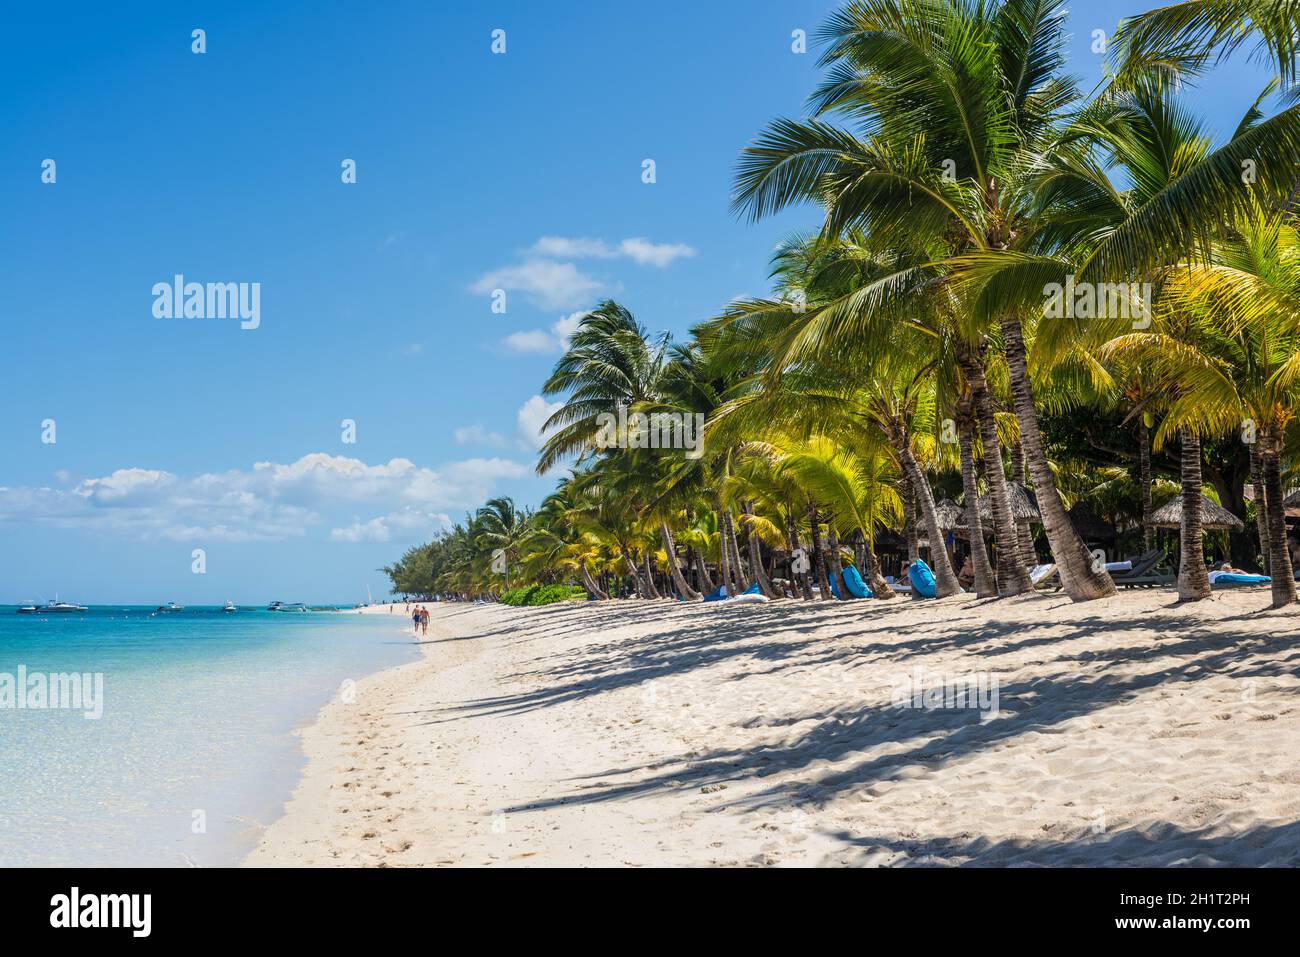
x,y
1213,515
949,514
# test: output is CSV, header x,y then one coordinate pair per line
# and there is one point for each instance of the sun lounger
x,y
1044,576
1147,581
1141,573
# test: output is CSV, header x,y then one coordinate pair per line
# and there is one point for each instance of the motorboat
x,y
229,607
286,606
50,607
170,606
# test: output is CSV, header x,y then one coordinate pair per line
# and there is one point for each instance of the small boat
x,y
50,607
170,606
286,606
230,606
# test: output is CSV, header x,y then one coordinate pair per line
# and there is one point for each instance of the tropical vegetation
x,y
1012,292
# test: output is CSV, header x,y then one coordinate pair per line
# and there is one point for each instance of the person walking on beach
x,y
424,620
415,619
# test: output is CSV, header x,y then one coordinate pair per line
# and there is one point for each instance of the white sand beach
x,y
1130,731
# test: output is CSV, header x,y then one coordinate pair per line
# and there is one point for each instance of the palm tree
x,y
611,363
1249,294
959,100
854,485
502,526
1184,37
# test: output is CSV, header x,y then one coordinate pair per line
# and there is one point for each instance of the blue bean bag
x,y
853,580
922,579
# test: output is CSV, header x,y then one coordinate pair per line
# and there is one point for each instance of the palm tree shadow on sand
x,y
899,743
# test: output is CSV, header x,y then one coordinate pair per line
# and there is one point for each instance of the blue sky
x,y
474,171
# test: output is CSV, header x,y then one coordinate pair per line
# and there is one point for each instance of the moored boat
x,y
50,607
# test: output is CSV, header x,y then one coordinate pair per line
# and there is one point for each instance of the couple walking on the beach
x,y
420,617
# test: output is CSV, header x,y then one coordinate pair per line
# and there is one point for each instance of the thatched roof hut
x,y
1291,500
1213,515
1024,508
949,513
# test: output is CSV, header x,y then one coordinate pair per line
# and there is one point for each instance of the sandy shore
x,y
1130,731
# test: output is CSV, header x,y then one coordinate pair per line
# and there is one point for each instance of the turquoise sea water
x,y
198,712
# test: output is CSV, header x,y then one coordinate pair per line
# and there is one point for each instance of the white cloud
x,y
549,284
531,417
374,530
645,253
545,341
271,501
566,326
558,247
640,250
381,528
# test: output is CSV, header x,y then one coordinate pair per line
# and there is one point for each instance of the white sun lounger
x,y
1041,574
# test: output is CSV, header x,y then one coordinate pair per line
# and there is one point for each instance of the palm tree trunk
x,y
1261,503
836,563
871,571
1279,558
1073,560
945,578
756,555
724,553
1144,469
1193,580
742,577
986,585
1013,578
652,591
1018,462
910,522
702,577
1025,539
819,555
589,583
632,569
670,547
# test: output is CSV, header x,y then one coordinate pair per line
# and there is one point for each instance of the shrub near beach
x,y
543,594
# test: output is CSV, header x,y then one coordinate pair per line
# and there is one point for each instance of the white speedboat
x,y
230,606
286,606
171,606
51,607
